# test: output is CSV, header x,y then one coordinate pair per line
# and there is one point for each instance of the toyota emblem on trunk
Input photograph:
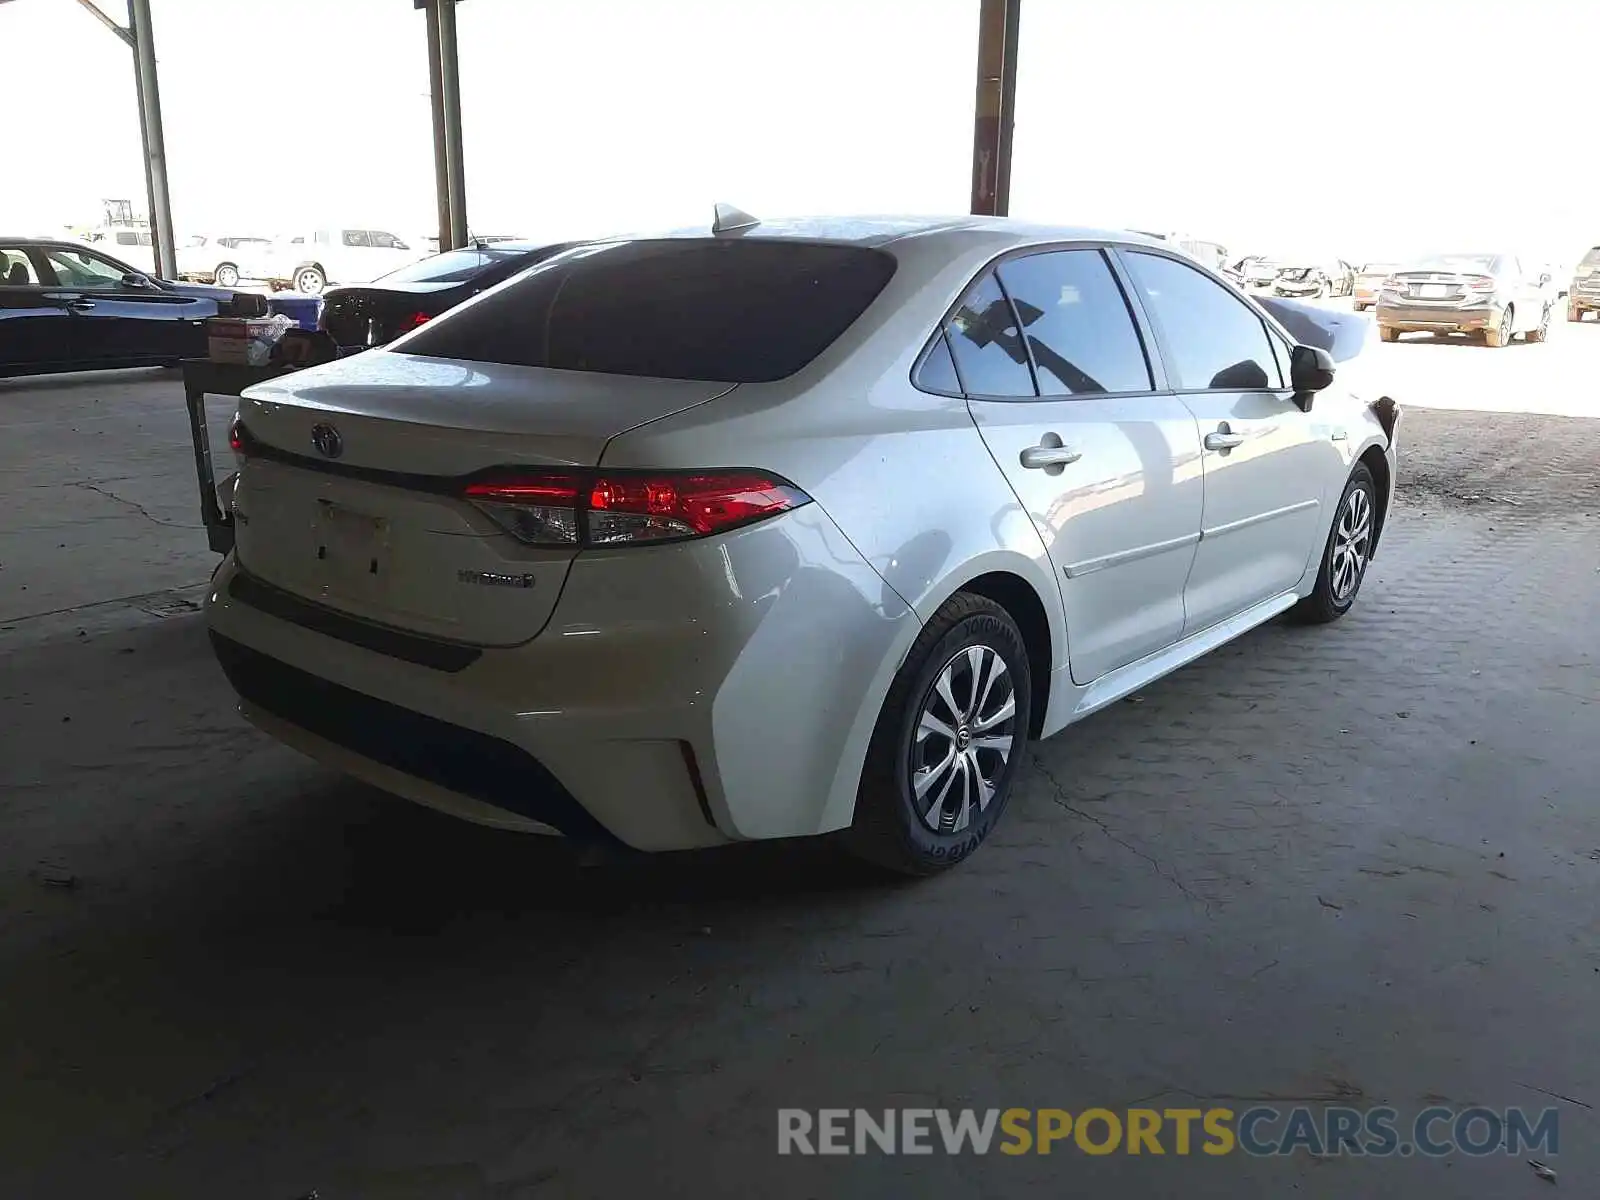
x,y
327,441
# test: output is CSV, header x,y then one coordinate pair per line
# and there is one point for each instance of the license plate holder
x,y
351,549
1434,291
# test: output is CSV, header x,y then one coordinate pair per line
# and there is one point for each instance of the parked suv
x,y
1584,294
1488,294
224,260
308,262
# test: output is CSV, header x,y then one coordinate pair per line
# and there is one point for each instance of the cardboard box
x,y
246,340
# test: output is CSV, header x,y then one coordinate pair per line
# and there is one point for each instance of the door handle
x,y
80,305
1037,458
1223,440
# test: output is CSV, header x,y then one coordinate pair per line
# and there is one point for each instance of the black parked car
x,y
65,307
379,312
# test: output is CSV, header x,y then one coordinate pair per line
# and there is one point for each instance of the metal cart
x,y
202,378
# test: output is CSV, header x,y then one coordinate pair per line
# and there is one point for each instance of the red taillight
x,y
236,436
1480,283
407,324
619,508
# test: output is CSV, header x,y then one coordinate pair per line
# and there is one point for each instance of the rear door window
x,y
737,311
1077,324
16,268
988,348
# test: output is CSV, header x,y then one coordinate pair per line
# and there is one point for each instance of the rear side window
x,y
1591,259
988,349
1077,323
937,371
742,311
1215,341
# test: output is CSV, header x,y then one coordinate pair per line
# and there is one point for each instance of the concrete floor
x,y
1357,863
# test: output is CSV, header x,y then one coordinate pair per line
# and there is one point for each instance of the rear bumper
x,y
1589,301
681,696
1419,317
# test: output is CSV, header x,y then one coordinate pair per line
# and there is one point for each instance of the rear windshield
x,y
1591,259
1482,264
744,311
453,266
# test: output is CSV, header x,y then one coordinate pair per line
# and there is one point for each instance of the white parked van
x,y
127,244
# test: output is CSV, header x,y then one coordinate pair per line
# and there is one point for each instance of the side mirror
x,y
1544,280
135,280
1311,369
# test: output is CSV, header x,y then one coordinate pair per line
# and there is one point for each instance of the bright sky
x,y
1363,128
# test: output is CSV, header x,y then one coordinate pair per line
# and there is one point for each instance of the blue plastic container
x,y
304,311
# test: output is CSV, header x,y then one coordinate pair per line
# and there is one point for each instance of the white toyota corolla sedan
x,y
784,529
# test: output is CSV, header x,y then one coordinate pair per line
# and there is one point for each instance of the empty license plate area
x,y
350,549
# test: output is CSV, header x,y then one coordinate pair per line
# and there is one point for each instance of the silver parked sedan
x,y
786,529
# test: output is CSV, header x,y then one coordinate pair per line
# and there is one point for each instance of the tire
x,y
226,275
1574,313
1543,332
1502,334
309,280
1388,333
890,829
1354,524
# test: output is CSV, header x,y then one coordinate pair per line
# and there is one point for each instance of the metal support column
x,y
995,109
450,86
155,142
441,150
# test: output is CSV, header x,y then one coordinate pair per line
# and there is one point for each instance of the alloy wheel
x,y
963,739
227,277
1544,324
1505,327
1352,545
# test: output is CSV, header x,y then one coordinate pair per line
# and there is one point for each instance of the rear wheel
x,y
227,275
310,281
1345,557
1501,334
948,742
1388,333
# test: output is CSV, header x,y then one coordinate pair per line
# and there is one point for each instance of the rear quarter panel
x,y
903,474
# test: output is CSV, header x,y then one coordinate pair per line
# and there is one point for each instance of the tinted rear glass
x,y
1481,264
745,311
454,266
1591,259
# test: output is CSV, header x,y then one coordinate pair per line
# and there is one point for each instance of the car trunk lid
x,y
374,316
350,493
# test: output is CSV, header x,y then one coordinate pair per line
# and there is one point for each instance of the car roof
x,y
886,230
